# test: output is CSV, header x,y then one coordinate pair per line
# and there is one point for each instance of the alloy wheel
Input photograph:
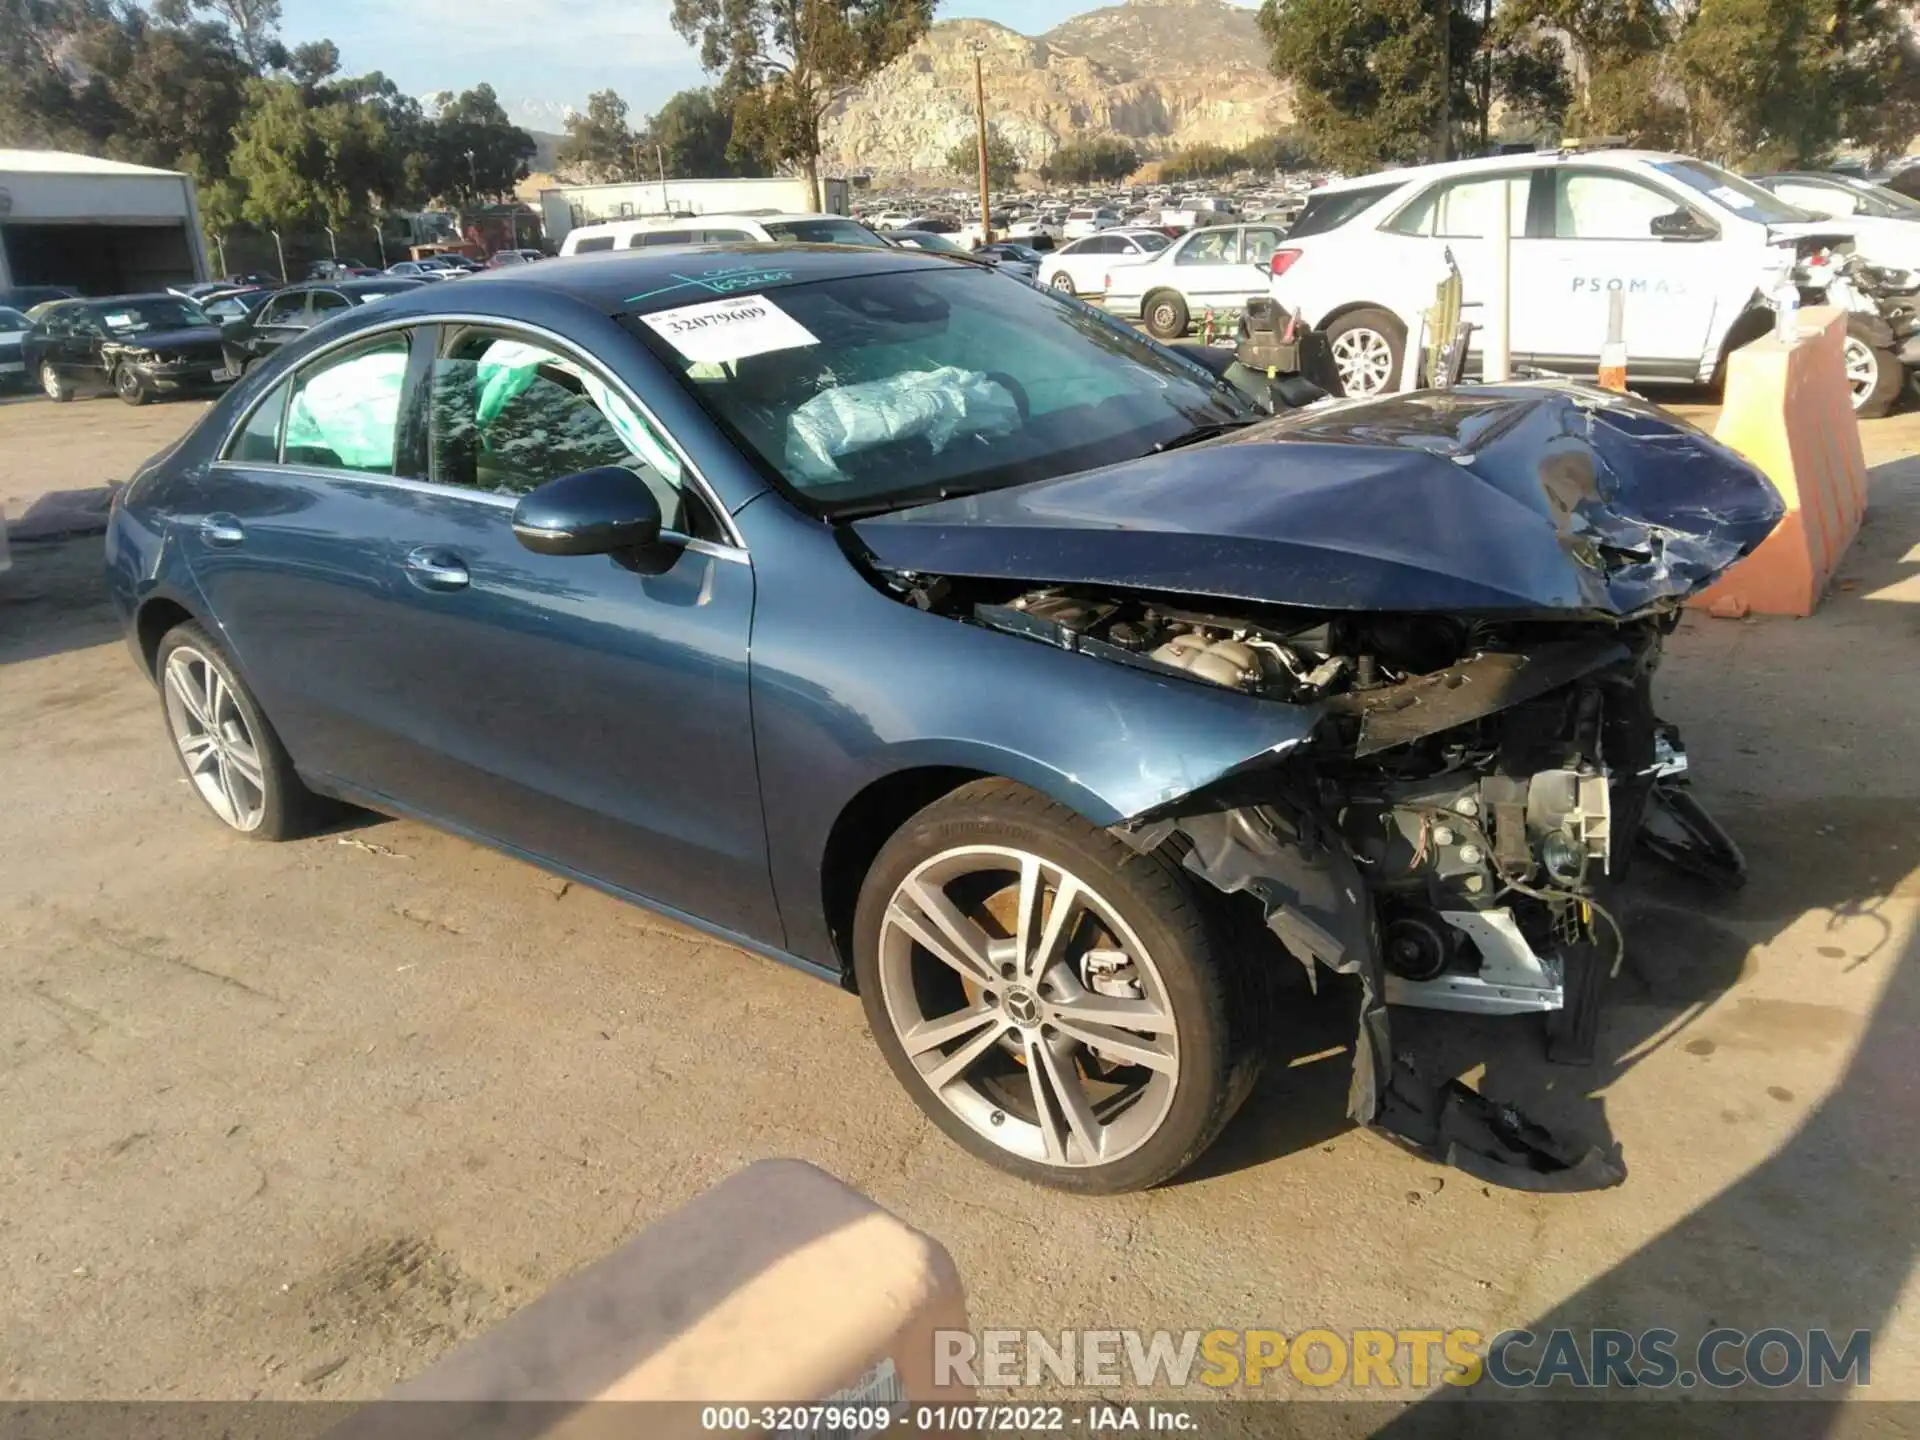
x,y
1062,282
1365,359
1863,368
49,380
1028,1006
221,754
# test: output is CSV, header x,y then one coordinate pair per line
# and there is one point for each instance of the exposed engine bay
x,y
1473,770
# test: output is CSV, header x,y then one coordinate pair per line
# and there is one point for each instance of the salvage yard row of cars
x,y
948,639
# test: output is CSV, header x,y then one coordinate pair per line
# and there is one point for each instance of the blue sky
x,y
543,55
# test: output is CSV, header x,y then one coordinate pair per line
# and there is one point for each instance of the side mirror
x,y
1678,225
595,512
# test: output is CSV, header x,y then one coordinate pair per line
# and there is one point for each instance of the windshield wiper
x,y
1212,430
931,496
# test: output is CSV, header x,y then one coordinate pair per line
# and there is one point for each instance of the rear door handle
x,y
222,530
433,569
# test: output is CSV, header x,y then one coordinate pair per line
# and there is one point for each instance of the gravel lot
x,y
292,1120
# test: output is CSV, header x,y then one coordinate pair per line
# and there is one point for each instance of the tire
x,y
1137,925
245,778
1062,282
128,385
1165,314
52,386
1876,377
1361,340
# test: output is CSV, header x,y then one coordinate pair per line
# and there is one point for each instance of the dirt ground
x,y
291,1120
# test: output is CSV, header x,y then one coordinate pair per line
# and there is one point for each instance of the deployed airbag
x,y
939,405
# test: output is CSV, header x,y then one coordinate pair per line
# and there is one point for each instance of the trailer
x,y
565,206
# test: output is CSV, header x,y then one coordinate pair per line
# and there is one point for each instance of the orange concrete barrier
x,y
779,1286
1788,410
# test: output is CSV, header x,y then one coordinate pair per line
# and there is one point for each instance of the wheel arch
x,y
1340,312
155,617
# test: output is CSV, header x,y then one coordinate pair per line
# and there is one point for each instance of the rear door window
x,y
592,243
345,411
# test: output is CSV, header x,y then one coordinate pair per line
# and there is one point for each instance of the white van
x,y
716,229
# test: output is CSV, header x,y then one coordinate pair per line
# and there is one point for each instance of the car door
x,y
1207,269
579,709
281,319
1594,239
1460,216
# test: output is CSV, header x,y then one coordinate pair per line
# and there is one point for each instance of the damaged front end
x,y
1466,596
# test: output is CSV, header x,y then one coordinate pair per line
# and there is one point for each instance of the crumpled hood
x,y
190,338
1543,499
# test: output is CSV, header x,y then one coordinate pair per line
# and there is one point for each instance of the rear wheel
x,y
1062,281
1166,315
1368,347
1875,377
1051,999
52,386
232,757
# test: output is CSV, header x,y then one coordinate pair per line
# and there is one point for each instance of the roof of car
x,y
660,277
357,284
1442,168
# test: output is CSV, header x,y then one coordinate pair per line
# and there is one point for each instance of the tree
x,y
1003,161
786,63
474,149
1087,161
1202,162
696,137
1288,149
599,145
1379,82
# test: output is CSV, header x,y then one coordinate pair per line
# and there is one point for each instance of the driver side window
x,y
509,414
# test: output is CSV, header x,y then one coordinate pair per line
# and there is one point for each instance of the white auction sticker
x,y
730,329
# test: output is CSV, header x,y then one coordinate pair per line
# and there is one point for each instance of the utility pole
x,y
980,124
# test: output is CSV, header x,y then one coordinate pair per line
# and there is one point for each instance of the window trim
x,y
733,548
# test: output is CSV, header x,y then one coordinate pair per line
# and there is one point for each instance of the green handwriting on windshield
x,y
725,281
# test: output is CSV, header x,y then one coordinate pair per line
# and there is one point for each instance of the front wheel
x,y
128,385
1050,998
1874,377
1166,315
1368,347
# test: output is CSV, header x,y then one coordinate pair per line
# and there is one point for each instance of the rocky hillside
x,y
1161,73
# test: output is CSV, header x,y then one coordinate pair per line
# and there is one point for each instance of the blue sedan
x,y
950,641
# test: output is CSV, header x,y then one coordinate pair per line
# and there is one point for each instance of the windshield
x,y
1331,210
137,317
823,232
925,240
1890,204
1733,192
1152,241
878,391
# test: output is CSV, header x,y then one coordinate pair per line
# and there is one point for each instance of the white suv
x,y
1693,248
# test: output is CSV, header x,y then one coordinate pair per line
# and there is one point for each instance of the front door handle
x,y
433,569
222,530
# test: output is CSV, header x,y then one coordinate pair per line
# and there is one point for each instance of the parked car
x,y
1012,259
521,256
910,239
1218,268
1694,248
13,330
1883,224
336,269
134,346
419,270
296,309
1081,267
716,230
947,639
1088,219
24,297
